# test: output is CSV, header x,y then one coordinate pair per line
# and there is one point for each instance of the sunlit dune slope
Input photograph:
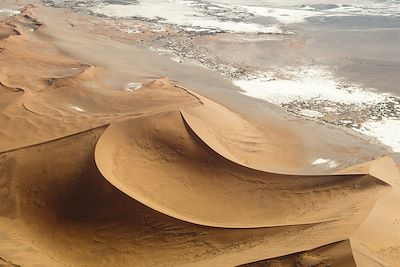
x,y
55,200
243,141
334,255
52,94
160,161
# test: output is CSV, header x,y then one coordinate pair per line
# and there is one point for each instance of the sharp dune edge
x,y
248,197
92,175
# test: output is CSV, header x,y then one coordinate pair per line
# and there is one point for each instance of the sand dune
x,y
240,140
61,95
64,206
372,245
92,174
68,197
7,30
151,157
335,255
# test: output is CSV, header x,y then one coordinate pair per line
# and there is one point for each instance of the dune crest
x,y
247,142
183,162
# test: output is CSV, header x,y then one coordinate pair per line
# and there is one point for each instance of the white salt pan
x,y
283,15
311,113
77,108
320,86
331,163
386,131
182,13
320,161
304,84
132,86
10,12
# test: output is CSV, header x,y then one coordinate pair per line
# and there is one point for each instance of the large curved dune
x,y
152,158
243,141
61,205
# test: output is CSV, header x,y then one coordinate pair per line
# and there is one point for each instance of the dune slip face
x,y
183,162
103,167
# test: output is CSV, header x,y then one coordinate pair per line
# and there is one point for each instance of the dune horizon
x,y
107,161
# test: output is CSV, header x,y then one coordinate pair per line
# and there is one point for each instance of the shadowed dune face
x,y
8,96
151,158
53,197
7,30
245,142
333,255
